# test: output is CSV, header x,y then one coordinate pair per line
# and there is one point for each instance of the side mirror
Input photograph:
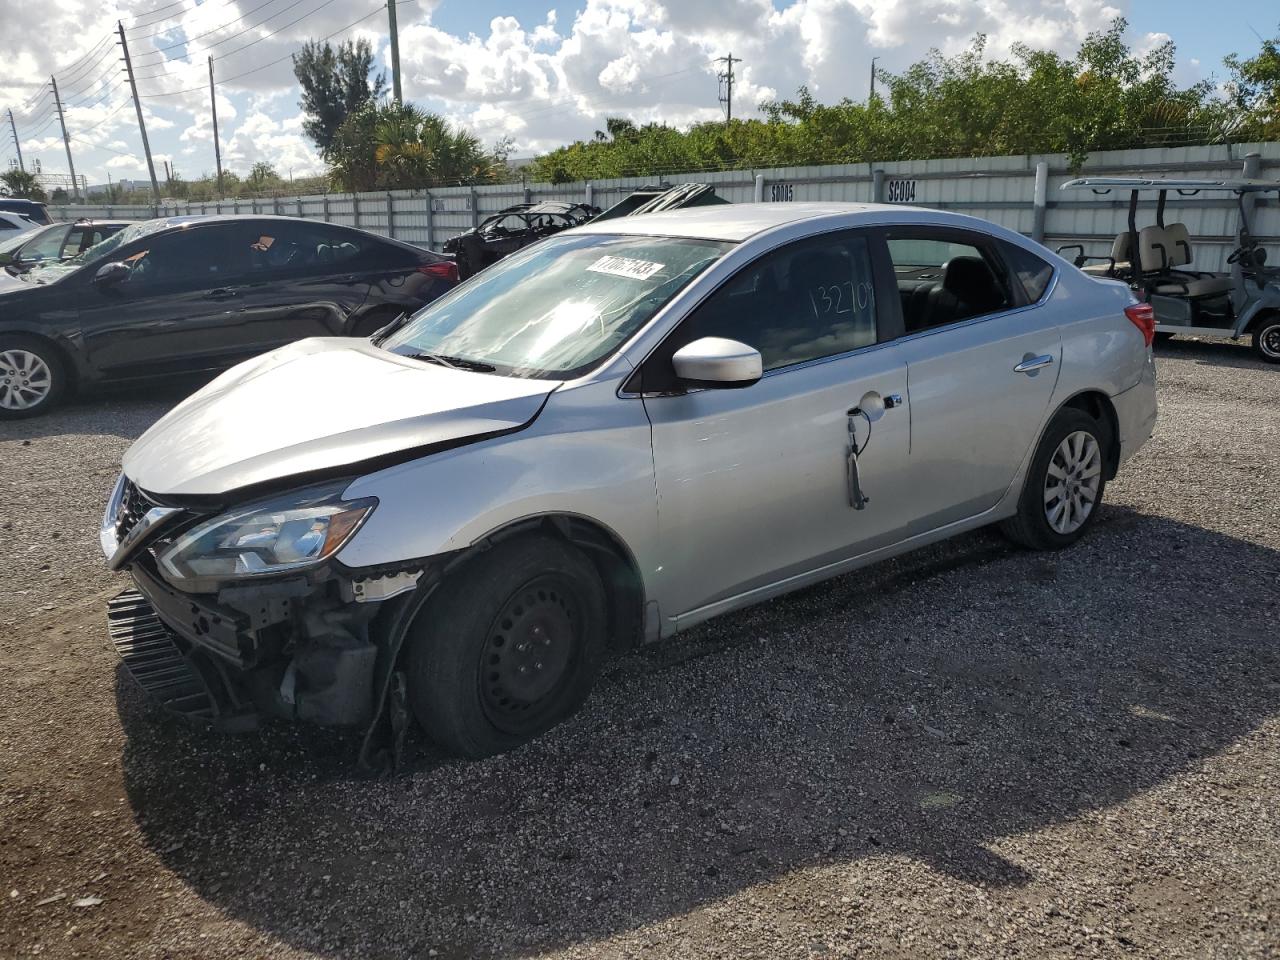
x,y
715,362
111,273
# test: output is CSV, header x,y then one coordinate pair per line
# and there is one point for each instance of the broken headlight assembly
x,y
285,533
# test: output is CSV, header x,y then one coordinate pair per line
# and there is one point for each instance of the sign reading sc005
x,y
900,191
782,192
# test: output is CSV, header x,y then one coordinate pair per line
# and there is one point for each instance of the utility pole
x,y
137,106
726,80
217,150
395,50
18,146
66,140
873,79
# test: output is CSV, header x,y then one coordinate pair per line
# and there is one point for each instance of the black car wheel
x,y
1266,338
32,378
508,647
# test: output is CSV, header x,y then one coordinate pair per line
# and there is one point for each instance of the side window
x,y
809,300
273,247
943,280
194,258
1033,273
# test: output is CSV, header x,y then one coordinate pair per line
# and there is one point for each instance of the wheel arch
x,y
1098,405
65,357
613,559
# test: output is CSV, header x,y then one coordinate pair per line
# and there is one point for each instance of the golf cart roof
x,y
1107,184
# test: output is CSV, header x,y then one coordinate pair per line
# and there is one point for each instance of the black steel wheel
x,y
531,648
508,646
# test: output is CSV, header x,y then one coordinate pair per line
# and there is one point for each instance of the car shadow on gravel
x,y
925,707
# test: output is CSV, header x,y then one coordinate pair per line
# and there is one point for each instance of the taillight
x,y
440,270
1143,316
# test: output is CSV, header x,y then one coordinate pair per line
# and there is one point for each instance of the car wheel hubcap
x,y
1270,341
528,653
25,380
1072,482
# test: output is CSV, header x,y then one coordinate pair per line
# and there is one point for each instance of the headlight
x,y
272,536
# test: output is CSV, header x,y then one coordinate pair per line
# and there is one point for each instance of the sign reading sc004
x,y
900,191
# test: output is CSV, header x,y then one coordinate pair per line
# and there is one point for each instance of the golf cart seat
x,y
1117,263
1160,250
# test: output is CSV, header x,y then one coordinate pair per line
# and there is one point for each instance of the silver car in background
x,y
606,438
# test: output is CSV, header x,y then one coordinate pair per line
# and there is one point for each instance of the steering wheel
x,y
1238,253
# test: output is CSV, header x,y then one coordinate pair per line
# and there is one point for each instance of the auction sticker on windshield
x,y
626,267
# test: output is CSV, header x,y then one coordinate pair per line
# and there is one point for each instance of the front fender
x,y
587,455
1268,300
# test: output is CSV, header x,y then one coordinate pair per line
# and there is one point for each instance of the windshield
x,y
53,272
555,309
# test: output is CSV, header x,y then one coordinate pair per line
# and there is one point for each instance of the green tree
x,y
1105,97
393,147
335,82
19,183
1255,89
262,177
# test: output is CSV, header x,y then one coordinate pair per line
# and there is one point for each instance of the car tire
x,y
1266,338
508,646
1162,337
1066,478
33,377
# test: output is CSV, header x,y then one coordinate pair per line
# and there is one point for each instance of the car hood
x,y
317,406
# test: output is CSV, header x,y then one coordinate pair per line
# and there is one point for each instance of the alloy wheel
x,y
1072,482
25,380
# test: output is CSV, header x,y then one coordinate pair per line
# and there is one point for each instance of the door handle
x,y
1032,364
222,293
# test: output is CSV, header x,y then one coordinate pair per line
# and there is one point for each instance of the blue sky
x,y
541,73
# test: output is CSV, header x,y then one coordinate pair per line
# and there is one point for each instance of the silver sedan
x,y
604,439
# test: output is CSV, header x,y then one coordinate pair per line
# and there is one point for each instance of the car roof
x,y
739,221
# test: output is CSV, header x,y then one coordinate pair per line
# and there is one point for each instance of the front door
x,y
179,308
753,484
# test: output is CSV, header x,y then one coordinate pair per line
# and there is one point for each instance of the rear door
x,y
753,483
305,279
982,364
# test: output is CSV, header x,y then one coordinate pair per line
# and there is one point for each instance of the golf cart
x,y
1244,301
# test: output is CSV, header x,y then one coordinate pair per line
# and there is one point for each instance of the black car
x,y
515,227
192,294
33,210
59,241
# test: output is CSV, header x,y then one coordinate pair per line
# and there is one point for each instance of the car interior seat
x,y
968,289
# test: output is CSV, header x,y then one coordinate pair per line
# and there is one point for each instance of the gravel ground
x,y
972,751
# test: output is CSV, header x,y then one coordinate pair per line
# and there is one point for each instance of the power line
x,y
72,75
199,36
264,66
168,6
102,96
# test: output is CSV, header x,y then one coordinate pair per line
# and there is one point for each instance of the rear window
x,y
1033,272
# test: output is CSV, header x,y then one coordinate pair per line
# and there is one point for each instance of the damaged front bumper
x,y
318,646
